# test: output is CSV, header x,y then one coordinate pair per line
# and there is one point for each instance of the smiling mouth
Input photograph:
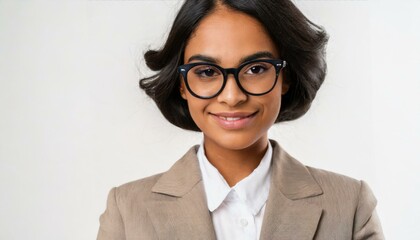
x,y
233,121
236,118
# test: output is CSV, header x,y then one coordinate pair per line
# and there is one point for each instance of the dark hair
x,y
300,42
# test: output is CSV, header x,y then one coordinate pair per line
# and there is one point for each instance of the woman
x,y
232,69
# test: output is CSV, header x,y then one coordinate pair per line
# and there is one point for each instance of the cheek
x,y
196,108
274,107
273,104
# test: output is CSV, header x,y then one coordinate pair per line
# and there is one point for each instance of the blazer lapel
x,y
291,212
179,208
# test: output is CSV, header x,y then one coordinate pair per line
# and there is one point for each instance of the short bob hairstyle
x,y
300,42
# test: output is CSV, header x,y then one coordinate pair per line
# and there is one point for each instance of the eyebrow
x,y
204,58
257,55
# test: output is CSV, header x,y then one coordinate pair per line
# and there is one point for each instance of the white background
x,y
73,122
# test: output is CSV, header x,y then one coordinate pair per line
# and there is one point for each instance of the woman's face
x,y
232,120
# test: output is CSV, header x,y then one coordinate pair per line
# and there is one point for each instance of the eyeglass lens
x,y
255,78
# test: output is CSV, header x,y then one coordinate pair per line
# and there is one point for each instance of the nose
x,y
232,95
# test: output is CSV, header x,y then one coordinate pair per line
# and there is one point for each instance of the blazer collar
x,y
290,176
183,176
289,214
182,209
178,209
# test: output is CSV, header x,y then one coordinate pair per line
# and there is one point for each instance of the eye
x,y
206,71
256,69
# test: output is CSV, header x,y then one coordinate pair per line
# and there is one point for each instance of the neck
x,y
234,165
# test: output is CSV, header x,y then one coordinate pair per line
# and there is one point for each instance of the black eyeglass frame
x,y
277,63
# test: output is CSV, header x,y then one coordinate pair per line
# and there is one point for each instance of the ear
x,y
284,87
182,90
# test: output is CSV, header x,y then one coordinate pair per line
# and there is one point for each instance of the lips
x,y
230,118
233,120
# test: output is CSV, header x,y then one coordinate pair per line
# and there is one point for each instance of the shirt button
x,y
244,222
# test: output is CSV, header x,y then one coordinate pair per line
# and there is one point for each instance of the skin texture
x,y
235,148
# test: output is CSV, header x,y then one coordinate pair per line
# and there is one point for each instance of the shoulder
x,y
342,188
174,179
331,181
345,196
128,196
343,193
126,208
332,187
140,187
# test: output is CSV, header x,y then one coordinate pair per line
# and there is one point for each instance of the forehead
x,y
227,36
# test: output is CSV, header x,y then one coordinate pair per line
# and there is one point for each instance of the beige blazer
x,y
304,203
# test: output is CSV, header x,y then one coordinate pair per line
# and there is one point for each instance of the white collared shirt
x,y
237,211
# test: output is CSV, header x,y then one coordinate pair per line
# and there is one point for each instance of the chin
x,y
234,141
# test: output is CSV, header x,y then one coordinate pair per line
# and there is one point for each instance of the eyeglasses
x,y
207,80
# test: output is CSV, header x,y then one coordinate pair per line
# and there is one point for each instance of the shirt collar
x,y
252,190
